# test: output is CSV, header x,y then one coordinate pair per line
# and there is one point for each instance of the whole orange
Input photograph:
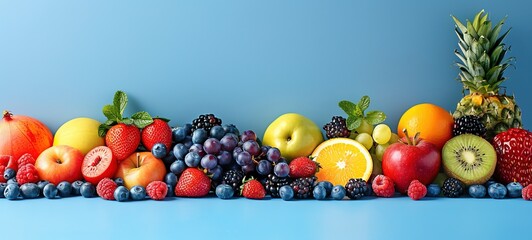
x,y
434,123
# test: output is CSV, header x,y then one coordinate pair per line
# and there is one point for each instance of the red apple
x,y
411,159
141,168
60,163
7,161
99,163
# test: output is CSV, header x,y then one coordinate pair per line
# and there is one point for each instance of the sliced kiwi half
x,y
469,158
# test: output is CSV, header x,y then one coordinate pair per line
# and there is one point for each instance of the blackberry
x,y
233,178
273,184
452,188
356,188
303,187
469,124
336,128
206,121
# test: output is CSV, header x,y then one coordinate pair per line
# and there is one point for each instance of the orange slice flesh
x,y
342,159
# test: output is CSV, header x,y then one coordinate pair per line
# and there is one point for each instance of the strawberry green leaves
x,y
114,113
355,113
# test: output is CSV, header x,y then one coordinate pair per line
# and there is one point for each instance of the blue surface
x,y
248,62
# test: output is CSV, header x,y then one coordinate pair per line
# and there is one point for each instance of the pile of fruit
x,y
481,148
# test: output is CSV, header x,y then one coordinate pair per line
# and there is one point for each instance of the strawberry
x,y
302,167
157,132
514,156
192,183
253,189
123,140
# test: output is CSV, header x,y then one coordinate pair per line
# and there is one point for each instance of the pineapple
x,y
482,65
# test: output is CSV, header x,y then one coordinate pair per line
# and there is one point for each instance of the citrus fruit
x,y
341,159
434,123
80,133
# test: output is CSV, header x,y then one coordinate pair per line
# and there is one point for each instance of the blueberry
x,y
159,150
230,128
188,141
87,190
29,190
224,191
119,181
12,181
489,182
319,192
188,128
64,189
199,136
179,134
178,167
121,194
217,132
477,191
169,191
169,159
286,192
76,186
281,169
433,190
9,173
180,151
170,179
225,158
137,193
497,191
338,192
41,185
514,189
192,159
2,188
12,191
327,185
50,191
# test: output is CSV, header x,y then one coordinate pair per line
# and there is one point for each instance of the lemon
x,y
80,133
341,159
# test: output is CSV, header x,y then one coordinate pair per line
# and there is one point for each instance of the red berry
x,y
106,189
192,183
123,140
157,190
527,192
416,190
302,167
157,132
514,156
253,189
26,159
383,186
27,174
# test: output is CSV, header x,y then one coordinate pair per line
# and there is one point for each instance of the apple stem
x,y
138,160
409,141
416,138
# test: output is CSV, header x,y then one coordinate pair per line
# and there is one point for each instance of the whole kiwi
x,y
469,158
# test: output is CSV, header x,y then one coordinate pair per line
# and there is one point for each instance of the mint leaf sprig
x,y
114,113
355,113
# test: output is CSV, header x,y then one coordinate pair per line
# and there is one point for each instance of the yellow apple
x,y
294,135
80,133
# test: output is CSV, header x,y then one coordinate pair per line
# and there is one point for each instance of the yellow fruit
x,y
341,159
80,133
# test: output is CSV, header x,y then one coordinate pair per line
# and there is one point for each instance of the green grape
x,y
365,139
365,127
393,139
379,150
382,133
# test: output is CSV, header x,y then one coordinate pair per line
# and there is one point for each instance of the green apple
x,y
294,135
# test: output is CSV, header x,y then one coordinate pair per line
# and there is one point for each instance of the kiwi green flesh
x,y
469,158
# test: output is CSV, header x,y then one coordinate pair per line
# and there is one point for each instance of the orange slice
x,y
342,159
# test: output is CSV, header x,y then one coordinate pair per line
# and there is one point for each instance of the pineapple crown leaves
x,y
355,113
114,113
481,52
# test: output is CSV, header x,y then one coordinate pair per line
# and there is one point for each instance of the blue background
x,y
249,62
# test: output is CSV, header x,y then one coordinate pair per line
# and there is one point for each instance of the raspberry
x,y
383,186
27,174
106,189
416,190
527,192
26,159
157,190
